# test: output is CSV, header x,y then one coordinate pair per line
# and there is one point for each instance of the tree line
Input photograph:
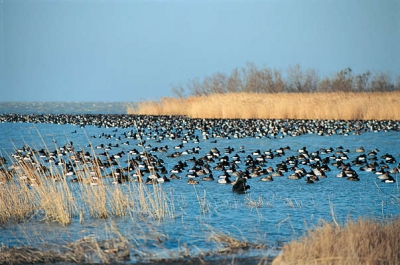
x,y
253,79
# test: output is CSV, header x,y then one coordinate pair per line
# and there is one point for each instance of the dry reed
x,y
340,105
229,244
358,242
85,250
49,195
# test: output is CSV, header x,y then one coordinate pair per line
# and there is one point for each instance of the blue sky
x,y
114,50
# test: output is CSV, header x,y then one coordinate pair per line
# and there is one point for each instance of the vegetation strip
x,y
325,106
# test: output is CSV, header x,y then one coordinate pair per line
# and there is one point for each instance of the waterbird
x,y
240,185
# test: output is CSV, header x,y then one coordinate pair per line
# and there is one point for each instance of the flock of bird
x,y
139,149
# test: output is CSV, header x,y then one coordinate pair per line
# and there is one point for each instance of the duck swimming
x,y
309,180
240,185
192,182
209,178
268,178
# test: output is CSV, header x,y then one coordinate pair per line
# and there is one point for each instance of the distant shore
x,y
338,106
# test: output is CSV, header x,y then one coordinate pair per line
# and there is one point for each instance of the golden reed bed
x,y
358,242
340,105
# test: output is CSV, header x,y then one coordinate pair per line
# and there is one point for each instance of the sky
x,y
120,50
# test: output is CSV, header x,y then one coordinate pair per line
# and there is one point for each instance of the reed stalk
x,y
48,194
357,242
16,202
338,106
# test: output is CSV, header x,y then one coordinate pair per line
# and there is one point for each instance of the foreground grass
x,y
32,193
358,242
345,106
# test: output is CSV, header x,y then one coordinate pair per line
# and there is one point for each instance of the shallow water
x,y
271,212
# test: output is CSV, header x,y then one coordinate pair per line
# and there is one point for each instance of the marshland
x,y
74,188
265,93
199,132
215,176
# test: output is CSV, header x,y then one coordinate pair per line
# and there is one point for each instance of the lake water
x,y
65,107
270,212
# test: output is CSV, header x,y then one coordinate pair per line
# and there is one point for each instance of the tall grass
x,y
33,193
340,105
358,242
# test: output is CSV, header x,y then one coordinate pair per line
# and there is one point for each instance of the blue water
x,y
65,107
272,212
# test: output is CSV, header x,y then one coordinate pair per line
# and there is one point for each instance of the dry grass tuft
x,y
359,242
85,250
339,105
230,244
33,193
24,255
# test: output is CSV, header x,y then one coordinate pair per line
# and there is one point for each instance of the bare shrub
x,y
254,79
